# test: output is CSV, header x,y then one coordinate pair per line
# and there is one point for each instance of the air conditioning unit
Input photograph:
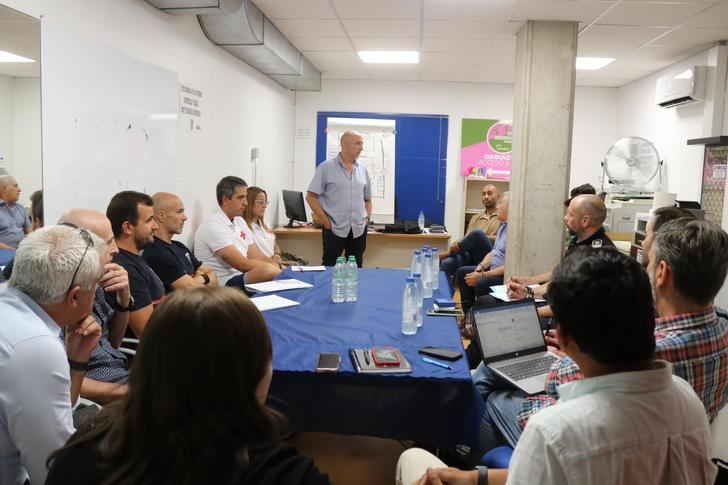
x,y
682,88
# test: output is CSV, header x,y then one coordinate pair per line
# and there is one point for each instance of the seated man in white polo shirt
x,y
225,243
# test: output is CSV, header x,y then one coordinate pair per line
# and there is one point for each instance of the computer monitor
x,y
295,210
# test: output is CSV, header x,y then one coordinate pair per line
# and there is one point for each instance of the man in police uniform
x,y
584,218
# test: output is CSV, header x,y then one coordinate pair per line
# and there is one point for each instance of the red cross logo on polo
x,y
242,234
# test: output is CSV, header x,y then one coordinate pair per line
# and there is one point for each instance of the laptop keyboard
x,y
529,368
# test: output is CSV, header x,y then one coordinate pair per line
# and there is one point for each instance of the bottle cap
x,y
417,251
428,255
352,258
416,275
340,259
410,279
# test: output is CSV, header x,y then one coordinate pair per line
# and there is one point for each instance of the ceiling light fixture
x,y
390,57
8,57
592,63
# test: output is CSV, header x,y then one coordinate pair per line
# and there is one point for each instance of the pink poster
x,y
485,148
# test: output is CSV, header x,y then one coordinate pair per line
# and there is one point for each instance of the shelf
x,y
712,141
483,179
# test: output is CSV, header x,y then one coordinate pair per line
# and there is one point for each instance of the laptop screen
x,y
508,329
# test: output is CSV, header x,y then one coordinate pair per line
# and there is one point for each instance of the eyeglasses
x,y
89,242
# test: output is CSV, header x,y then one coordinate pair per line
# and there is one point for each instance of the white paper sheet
x,y
271,302
279,285
302,269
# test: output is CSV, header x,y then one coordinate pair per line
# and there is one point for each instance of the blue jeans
x,y
468,294
473,248
499,425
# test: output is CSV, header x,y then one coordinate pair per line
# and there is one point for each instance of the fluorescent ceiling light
x,y
592,63
8,57
390,57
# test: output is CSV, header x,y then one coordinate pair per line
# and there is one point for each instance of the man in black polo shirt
x,y
171,260
584,218
132,220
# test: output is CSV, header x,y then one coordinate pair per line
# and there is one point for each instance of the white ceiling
x,y
19,35
475,40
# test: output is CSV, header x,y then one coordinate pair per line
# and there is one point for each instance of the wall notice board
x,y
420,160
109,123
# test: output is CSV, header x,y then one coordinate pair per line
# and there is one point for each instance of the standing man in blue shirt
x,y
14,222
340,195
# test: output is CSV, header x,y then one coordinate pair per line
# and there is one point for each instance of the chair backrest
x,y
719,430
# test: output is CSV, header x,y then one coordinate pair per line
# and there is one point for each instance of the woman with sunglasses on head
x,y
263,236
196,408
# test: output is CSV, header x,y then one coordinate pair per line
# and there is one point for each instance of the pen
x,y
436,362
366,356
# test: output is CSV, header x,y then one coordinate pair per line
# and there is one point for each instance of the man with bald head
x,y
340,195
583,219
14,221
171,260
108,369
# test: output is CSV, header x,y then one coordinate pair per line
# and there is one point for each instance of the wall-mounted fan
x,y
630,164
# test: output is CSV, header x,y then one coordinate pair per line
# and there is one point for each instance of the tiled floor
x,y
351,460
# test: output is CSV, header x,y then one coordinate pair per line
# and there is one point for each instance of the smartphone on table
x,y
328,362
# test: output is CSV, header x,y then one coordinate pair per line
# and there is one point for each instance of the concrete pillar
x,y
543,109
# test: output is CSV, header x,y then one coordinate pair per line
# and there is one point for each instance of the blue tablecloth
x,y
6,255
432,404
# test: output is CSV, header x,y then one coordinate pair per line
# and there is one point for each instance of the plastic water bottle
x,y
409,307
421,221
416,265
352,279
435,276
420,291
338,282
427,276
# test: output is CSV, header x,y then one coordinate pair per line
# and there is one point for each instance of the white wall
x,y
27,136
594,121
6,123
669,130
20,140
241,107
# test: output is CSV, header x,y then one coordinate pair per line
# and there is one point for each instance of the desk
x,y
384,250
431,405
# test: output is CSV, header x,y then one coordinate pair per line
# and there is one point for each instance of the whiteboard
x,y
109,123
377,156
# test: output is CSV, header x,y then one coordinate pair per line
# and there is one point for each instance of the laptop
x,y
513,345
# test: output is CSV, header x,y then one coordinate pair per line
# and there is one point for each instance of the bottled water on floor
x,y
352,279
435,269
416,265
427,276
409,307
420,291
338,282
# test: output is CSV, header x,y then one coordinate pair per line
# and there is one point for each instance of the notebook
x,y
512,343
363,363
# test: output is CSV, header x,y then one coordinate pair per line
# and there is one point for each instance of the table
x,y
431,405
384,250
6,255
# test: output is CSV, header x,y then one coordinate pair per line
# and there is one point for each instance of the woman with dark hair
x,y
196,409
263,236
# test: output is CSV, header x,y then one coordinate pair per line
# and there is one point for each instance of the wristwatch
x,y
77,365
206,279
529,292
118,308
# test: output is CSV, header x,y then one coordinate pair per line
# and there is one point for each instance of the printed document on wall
x,y
378,157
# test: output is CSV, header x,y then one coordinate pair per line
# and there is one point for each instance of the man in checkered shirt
x,y
688,261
